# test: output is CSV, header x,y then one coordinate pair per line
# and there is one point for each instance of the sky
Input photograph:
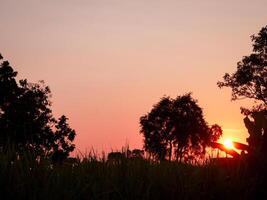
x,y
108,61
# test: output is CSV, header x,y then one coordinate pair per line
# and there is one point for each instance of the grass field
x,y
129,179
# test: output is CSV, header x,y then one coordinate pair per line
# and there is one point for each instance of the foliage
x,y
91,178
250,79
63,138
176,128
256,124
26,119
117,156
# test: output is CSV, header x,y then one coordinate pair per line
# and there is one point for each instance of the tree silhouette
x,y
157,130
26,119
63,138
250,79
176,128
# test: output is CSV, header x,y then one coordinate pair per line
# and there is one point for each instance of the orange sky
x,y
107,62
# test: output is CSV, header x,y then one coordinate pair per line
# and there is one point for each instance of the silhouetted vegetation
x,y
34,146
250,79
26,120
176,128
95,178
256,123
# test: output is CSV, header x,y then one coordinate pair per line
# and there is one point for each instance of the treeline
x,y
174,129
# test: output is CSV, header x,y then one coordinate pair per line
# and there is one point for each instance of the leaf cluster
x,y
176,128
26,119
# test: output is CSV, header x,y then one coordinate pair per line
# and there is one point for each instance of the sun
x,y
228,144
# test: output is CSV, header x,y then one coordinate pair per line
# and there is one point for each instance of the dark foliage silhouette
x,y
256,124
116,157
26,120
250,79
175,128
137,154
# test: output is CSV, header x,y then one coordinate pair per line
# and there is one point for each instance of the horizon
x,y
107,63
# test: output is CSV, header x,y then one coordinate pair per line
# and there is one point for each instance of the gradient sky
x,y
107,62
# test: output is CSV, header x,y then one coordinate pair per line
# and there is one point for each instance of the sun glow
x,y
228,144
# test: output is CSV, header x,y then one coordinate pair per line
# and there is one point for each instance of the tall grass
x,y
95,178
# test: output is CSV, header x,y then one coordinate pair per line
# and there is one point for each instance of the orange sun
x,y
228,144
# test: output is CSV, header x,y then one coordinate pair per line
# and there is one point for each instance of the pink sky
x,y
107,62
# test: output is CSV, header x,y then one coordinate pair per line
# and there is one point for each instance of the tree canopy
x,y
176,128
250,79
26,120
